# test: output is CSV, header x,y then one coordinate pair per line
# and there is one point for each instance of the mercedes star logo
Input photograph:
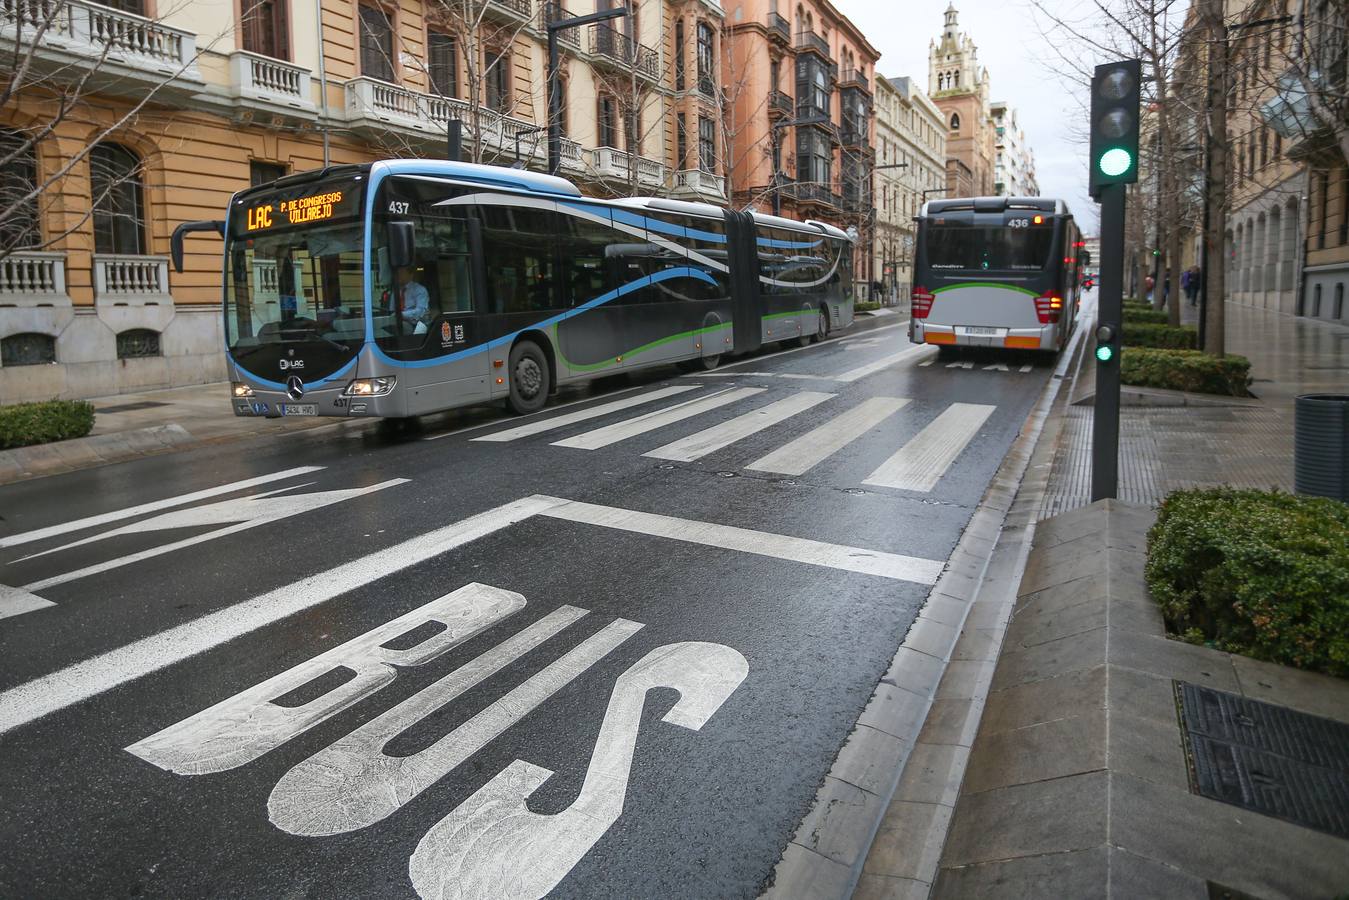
x,y
294,387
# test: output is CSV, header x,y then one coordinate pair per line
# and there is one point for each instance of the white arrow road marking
x,y
920,464
249,724
89,678
541,425
249,512
16,601
818,444
354,783
709,440
15,540
492,845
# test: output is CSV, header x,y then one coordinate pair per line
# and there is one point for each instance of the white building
x,y
1014,162
910,167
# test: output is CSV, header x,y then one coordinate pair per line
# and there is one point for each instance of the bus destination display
x,y
305,210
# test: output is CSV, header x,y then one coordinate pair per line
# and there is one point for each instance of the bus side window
x,y
518,245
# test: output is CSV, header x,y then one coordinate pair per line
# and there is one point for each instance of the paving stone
x,y
978,643
914,671
1023,705
952,721
932,774
896,711
988,614
947,610
870,759
1148,749
965,678
1070,654
1136,876
909,841
840,823
1053,749
1031,626
1028,820
1143,616
931,637
1071,525
1060,596
1320,695
885,887
803,874
1079,875
1172,659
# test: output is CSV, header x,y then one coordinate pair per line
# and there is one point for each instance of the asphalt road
x,y
609,650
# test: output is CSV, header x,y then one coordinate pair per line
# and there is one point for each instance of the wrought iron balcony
x,y
809,40
779,104
552,12
615,48
854,135
511,10
854,78
779,29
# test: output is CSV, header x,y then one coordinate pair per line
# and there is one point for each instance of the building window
x,y
707,145
955,122
376,43
498,74
706,82
812,88
632,127
679,55
265,28
774,74
119,200
138,343
19,228
1316,301
563,86
1339,300
1344,207
260,173
1325,212
681,140
608,122
814,156
442,60
27,350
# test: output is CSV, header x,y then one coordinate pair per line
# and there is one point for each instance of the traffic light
x,y
1114,124
1107,342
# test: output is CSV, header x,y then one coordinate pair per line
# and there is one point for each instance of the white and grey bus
x,y
996,272
405,287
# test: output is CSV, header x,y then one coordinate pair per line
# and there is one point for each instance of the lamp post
x,y
554,91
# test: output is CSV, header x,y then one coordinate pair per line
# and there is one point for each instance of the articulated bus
x,y
405,287
996,272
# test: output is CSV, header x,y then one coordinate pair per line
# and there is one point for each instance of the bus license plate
x,y
299,409
981,329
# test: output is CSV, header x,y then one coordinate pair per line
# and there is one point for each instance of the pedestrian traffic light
x,y
1105,343
1114,124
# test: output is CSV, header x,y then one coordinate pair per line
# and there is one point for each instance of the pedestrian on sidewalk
x,y
1147,284
1185,282
1192,292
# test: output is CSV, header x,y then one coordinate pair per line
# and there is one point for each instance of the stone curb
x,y
96,450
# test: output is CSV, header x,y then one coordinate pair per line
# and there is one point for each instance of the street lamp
x,y
554,89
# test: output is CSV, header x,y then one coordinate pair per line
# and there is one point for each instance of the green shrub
x,y
1260,573
864,306
41,423
1186,370
1148,334
1144,315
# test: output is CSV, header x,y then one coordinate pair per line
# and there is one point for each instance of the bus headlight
x,y
239,389
370,387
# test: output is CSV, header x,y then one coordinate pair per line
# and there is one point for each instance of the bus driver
x,y
411,300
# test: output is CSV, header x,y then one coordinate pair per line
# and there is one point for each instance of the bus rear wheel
x,y
822,325
530,379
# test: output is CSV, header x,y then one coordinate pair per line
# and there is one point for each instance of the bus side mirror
x,y
402,244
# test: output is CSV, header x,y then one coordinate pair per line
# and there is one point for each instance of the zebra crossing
x,y
917,465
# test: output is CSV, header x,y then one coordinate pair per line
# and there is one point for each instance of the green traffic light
x,y
1115,162
1105,352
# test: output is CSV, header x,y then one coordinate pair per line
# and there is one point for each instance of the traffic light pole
x,y
1109,316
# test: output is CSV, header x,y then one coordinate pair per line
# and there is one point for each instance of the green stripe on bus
x,y
592,367
799,312
986,284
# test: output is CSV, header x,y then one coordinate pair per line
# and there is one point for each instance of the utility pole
x,y
554,86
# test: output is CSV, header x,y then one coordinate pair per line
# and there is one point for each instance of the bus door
x,y
592,267
743,256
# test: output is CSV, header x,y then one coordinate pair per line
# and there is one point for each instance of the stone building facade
x,y
960,88
910,167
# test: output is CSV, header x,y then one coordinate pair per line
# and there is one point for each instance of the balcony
x,y
124,279
269,83
810,113
33,276
779,104
813,192
854,136
566,37
614,48
855,79
699,184
809,40
119,52
507,10
610,162
779,29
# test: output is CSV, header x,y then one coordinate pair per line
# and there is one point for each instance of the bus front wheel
x,y
529,378
822,325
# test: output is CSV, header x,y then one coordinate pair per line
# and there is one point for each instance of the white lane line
x,y
815,446
827,343
91,677
709,440
541,425
728,537
621,431
16,601
26,537
733,375
919,464
908,354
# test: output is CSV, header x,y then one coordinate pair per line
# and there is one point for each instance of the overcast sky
x,y
1021,72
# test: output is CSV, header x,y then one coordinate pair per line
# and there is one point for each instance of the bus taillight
x,y
1048,308
922,302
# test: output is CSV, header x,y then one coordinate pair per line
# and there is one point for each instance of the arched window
x,y
28,349
18,212
119,200
955,121
138,343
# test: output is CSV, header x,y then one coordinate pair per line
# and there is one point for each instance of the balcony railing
x,y
854,78
609,43
780,103
263,78
552,12
696,181
30,273
779,28
615,163
514,10
813,192
120,277
809,40
853,136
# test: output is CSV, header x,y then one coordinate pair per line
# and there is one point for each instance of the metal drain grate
x,y
1266,758
129,407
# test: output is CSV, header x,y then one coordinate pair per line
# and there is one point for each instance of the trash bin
x,y
1321,445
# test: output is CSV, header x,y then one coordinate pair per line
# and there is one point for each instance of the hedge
x,y
1261,573
1142,315
39,423
1186,370
1165,337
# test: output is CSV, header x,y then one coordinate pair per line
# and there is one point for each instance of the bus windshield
x,y
980,248
294,278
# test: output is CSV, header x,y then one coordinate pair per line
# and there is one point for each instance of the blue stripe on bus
x,y
790,245
644,281
657,225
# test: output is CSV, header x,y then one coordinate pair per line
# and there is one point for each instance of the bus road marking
x,y
629,428
542,425
818,444
920,464
894,359
709,440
